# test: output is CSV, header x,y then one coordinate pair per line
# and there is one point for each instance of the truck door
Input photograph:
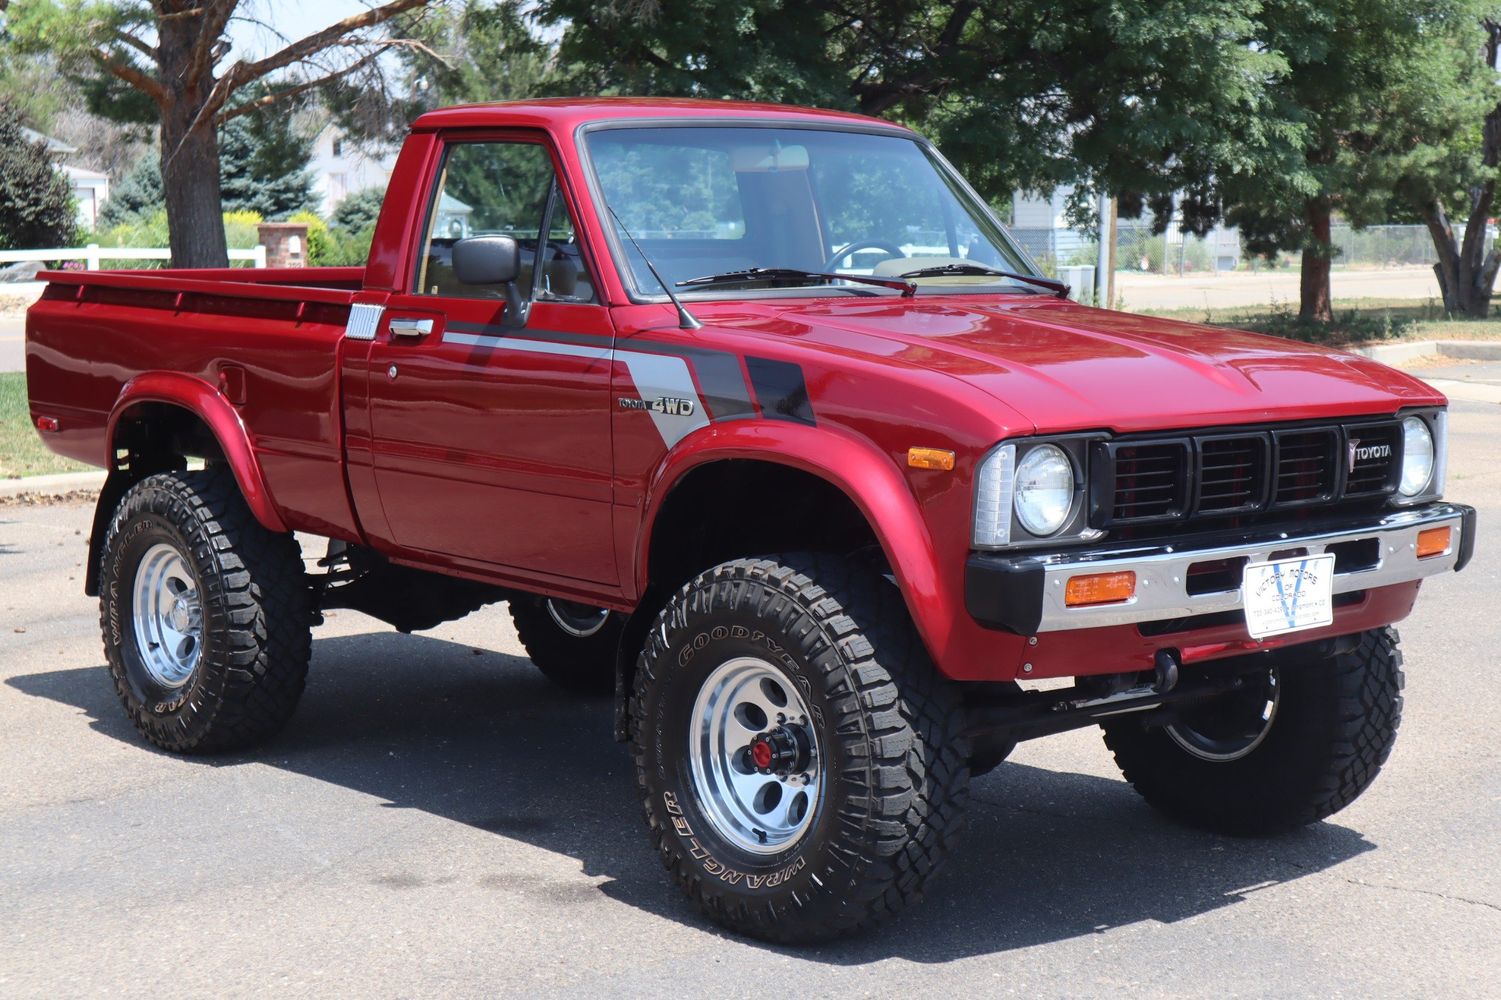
x,y
490,426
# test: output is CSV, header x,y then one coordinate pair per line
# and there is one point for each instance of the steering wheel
x,y
859,245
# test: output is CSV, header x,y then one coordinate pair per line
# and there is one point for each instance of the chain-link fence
x,y
1140,249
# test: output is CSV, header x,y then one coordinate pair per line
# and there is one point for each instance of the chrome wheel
x,y
578,620
167,616
1233,726
757,770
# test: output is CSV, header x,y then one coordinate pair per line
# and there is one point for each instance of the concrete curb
x,y
53,486
1396,354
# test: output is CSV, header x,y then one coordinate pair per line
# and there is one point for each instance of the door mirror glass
x,y
487,260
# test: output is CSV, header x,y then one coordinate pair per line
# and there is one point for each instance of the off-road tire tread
x,y
584,666
857,631
257,595
1343,756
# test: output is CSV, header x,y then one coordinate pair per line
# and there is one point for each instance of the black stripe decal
x,y
781,390
718,372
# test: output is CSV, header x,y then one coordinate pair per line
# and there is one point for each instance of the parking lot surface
x,y
438,821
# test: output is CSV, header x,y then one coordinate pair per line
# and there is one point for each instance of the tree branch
x,y
301,88
133,76
126,38
243,72
206,48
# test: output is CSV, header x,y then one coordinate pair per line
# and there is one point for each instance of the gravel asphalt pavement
x,y
438,821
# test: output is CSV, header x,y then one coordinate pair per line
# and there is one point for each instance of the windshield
x,y
704,201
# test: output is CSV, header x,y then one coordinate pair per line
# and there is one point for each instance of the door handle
x,y
411,328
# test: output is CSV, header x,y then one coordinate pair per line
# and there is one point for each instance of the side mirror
x,y
486,260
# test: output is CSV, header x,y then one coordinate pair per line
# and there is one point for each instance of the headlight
x,y
1417,457
1045,490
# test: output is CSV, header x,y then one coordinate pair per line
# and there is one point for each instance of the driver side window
x,y
484,189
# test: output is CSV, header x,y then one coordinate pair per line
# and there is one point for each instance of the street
x,y
12,343
439,821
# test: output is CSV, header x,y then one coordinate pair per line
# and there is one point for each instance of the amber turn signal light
x,y
1433,542
1099,588
930,458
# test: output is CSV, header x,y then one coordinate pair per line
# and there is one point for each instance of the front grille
x,y
1306,466
1231,476
1232,473
1149,481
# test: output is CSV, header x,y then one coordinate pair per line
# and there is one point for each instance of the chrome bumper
x,y
1025,593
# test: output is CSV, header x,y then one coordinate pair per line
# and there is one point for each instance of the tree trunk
x,y
190,155
190,181
1314,303
1466,273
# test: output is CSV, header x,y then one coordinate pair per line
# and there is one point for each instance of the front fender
x,y
858,469
223,421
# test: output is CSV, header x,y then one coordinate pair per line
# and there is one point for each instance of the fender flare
x,y
856,467
223,421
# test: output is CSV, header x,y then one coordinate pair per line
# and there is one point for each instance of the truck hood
x,y
1068,367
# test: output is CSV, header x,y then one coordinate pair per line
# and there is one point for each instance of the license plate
x,y
1288,595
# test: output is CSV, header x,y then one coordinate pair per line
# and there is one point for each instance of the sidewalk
x,y
1231,289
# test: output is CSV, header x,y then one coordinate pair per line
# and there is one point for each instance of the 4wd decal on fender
x,y
712,866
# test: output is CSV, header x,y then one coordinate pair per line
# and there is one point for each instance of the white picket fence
x,y
92,254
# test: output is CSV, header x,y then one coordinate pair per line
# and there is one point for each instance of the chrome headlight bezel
x,y
1436,424
996,524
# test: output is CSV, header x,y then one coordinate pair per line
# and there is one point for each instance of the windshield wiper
x,y
943,270
774,274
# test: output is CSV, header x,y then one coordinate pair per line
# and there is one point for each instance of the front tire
x,y
800,760
205,614
1281,756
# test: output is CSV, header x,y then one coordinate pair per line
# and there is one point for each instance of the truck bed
x,y
266,339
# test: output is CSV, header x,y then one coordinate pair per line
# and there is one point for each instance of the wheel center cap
x,y
180,617
784,750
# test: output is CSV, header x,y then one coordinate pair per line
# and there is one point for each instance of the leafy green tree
x,y
1142,99
173,62
1449,162
1359,75
359,211
36,201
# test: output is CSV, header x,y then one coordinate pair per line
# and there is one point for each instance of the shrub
x,y
349,249
36,201
319,243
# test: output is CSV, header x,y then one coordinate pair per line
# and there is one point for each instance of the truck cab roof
x,y
563,114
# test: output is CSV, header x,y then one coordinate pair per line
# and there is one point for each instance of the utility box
x,y
1080,282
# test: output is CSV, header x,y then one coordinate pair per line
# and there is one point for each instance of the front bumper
x,y
1024,592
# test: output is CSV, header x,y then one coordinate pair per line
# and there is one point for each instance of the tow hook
x,y
784,750
1166,674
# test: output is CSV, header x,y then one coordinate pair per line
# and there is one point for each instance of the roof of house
x,y
54,146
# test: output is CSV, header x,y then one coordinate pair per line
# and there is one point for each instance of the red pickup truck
x,y
758,418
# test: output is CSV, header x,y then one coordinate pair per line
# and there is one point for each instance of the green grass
x,y
1356,321
21,450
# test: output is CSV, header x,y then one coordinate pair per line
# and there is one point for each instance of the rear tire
x,y
845,829
1333,720
573,645
206,615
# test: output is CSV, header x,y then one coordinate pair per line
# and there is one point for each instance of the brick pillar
x,y
285,243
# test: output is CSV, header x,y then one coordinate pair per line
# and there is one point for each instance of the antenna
x,y
686,320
